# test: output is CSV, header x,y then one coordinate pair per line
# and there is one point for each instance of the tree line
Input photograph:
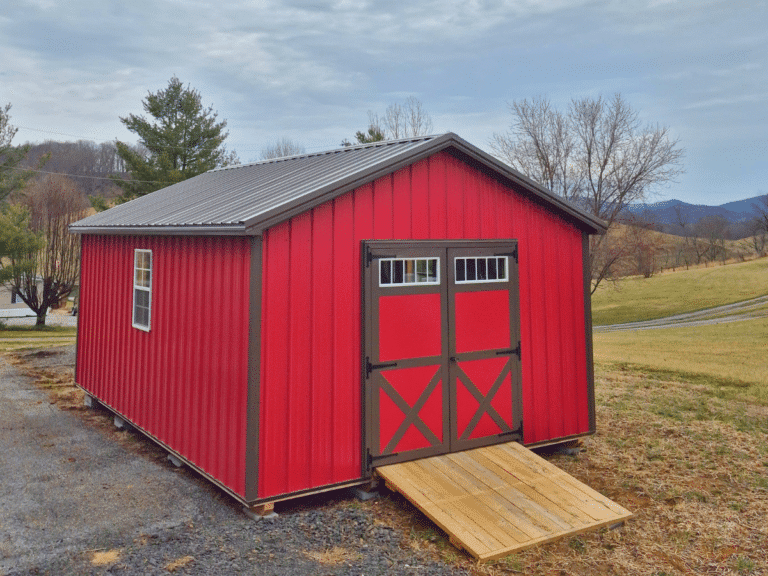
x,y
594,153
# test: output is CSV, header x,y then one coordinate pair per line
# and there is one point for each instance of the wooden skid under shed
x,y
496,500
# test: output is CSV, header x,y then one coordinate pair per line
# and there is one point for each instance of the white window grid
x,y
481,269
409,272
142,284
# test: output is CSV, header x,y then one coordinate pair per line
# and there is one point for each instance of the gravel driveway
x,y
746,310
79,497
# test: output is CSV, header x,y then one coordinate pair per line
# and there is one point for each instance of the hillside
x,y
637,298
646,252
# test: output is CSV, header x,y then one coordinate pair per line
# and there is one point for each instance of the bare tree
x,y
88,163
282,147
597,154
42,258
759,227
714,230
541,144
643,246
408,120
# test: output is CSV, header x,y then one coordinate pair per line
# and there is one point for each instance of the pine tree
x,y
181,139
11,176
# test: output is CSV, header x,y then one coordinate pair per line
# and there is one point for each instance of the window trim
x,y
147,289
486,258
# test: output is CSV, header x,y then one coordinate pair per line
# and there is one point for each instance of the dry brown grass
x,y
691,466
333,556
179,563
105,558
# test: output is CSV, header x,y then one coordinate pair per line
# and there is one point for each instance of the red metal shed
x,y
286,326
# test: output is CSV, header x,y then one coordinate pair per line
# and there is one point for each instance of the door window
x,y
473,270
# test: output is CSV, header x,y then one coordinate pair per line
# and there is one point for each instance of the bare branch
x,y
281,148
597,155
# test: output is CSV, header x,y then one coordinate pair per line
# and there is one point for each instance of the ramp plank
x,y
496,500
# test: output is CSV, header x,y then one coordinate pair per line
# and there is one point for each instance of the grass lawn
x,y
636,298
732,357
16,337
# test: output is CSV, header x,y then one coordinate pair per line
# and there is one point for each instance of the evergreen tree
x,y
11,176
181,139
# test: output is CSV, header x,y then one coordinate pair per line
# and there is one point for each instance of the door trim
x,y
371,251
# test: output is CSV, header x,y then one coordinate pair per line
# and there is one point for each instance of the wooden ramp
x,y
496,500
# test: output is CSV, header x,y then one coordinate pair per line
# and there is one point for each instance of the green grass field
x,y
636,298
732,357
17,337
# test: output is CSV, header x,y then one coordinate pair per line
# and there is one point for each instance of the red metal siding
x,y
186,380
310,413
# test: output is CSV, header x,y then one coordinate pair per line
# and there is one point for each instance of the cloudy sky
x,y
311,69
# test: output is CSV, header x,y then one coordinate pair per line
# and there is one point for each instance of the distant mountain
x,y
664,213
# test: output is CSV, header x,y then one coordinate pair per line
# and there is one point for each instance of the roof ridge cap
x,y
350,148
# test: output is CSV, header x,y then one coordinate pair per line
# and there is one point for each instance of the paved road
x,y
55,318
747,310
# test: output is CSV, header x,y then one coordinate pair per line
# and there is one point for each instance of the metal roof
x,y
247,198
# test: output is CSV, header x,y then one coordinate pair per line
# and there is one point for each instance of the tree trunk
x,y
41,316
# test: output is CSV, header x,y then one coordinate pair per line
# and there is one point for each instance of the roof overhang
x,y
228,230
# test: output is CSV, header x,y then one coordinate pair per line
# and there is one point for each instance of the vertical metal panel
x,y
254,375
184,382
311,305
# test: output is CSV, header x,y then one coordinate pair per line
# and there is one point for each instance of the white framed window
x,y
142,289
407,271
476,270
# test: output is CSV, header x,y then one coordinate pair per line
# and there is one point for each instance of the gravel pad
x,y
78,500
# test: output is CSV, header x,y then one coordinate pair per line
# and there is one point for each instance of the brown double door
x,y
442,348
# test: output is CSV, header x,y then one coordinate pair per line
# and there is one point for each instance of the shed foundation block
x,y
90,402
366,494
175,461
261,511
120,424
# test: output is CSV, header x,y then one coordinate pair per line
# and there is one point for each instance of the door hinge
x,y
371,367
369,257
517,351
513,254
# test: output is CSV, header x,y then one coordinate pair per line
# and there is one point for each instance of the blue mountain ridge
x,y
664,212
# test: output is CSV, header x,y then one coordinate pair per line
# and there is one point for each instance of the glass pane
x,y
471,269
138,259
460,275
433,270
386,272
492,269
421,271
503,268
398,272
142,298
410,271
481,273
